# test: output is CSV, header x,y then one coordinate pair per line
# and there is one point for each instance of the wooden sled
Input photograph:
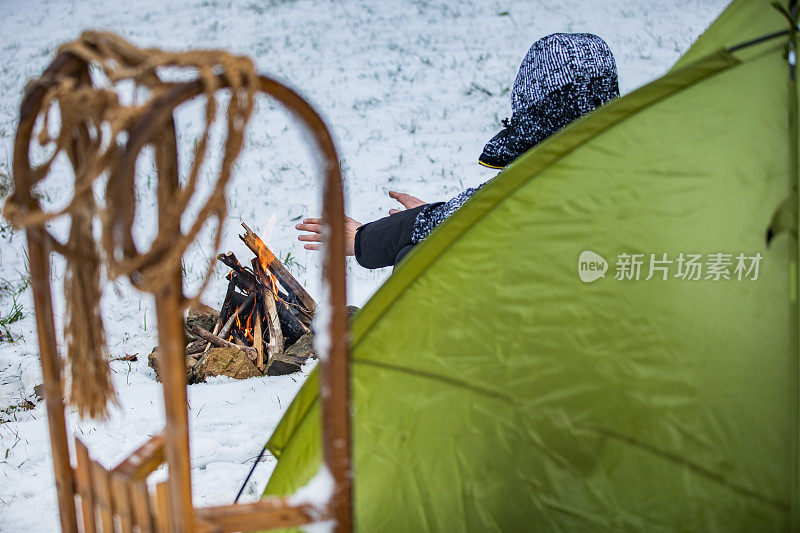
x,y
119,499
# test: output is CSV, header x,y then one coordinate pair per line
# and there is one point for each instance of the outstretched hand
x,y
314,227
408,201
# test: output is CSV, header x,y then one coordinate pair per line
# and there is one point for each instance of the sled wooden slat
x,y
83,480
201,526
162,514
140,504
122,504
102,496
143,461
278,513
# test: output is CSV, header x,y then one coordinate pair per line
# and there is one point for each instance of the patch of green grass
x,y
11,290
290,262
14,315
9,414
6,184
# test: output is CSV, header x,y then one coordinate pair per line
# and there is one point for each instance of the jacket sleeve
x,y
379,243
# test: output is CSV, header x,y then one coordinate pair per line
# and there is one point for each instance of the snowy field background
x,y
411,90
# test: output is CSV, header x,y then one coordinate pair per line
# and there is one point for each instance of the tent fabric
x,y
742,21
492,388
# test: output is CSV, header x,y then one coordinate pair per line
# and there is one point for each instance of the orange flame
x,y
245,331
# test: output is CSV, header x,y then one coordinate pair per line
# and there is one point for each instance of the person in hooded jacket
x,y
562,77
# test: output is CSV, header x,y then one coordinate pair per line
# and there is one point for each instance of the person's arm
x,y
379,243
437,213
376,244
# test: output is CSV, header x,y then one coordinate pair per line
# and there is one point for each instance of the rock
x,y
152,362
226,362
281,368
301,350
304,347
190,376
204,316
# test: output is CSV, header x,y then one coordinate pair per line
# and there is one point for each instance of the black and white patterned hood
x,y
562,77
561,59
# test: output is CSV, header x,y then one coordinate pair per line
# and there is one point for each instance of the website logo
x,y
591,266
718,266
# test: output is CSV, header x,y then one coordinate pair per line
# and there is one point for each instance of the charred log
x,y
269,262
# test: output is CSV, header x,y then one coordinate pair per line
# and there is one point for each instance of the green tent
x,y
500,384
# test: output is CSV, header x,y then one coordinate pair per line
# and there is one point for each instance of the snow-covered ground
x,y
411,89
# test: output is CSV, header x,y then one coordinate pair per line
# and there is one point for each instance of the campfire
x,y
264,313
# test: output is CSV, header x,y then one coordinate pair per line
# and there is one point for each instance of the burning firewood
x,y
271,314
257,317
218,341
245,280
271,264
195,347
235,317
258,341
